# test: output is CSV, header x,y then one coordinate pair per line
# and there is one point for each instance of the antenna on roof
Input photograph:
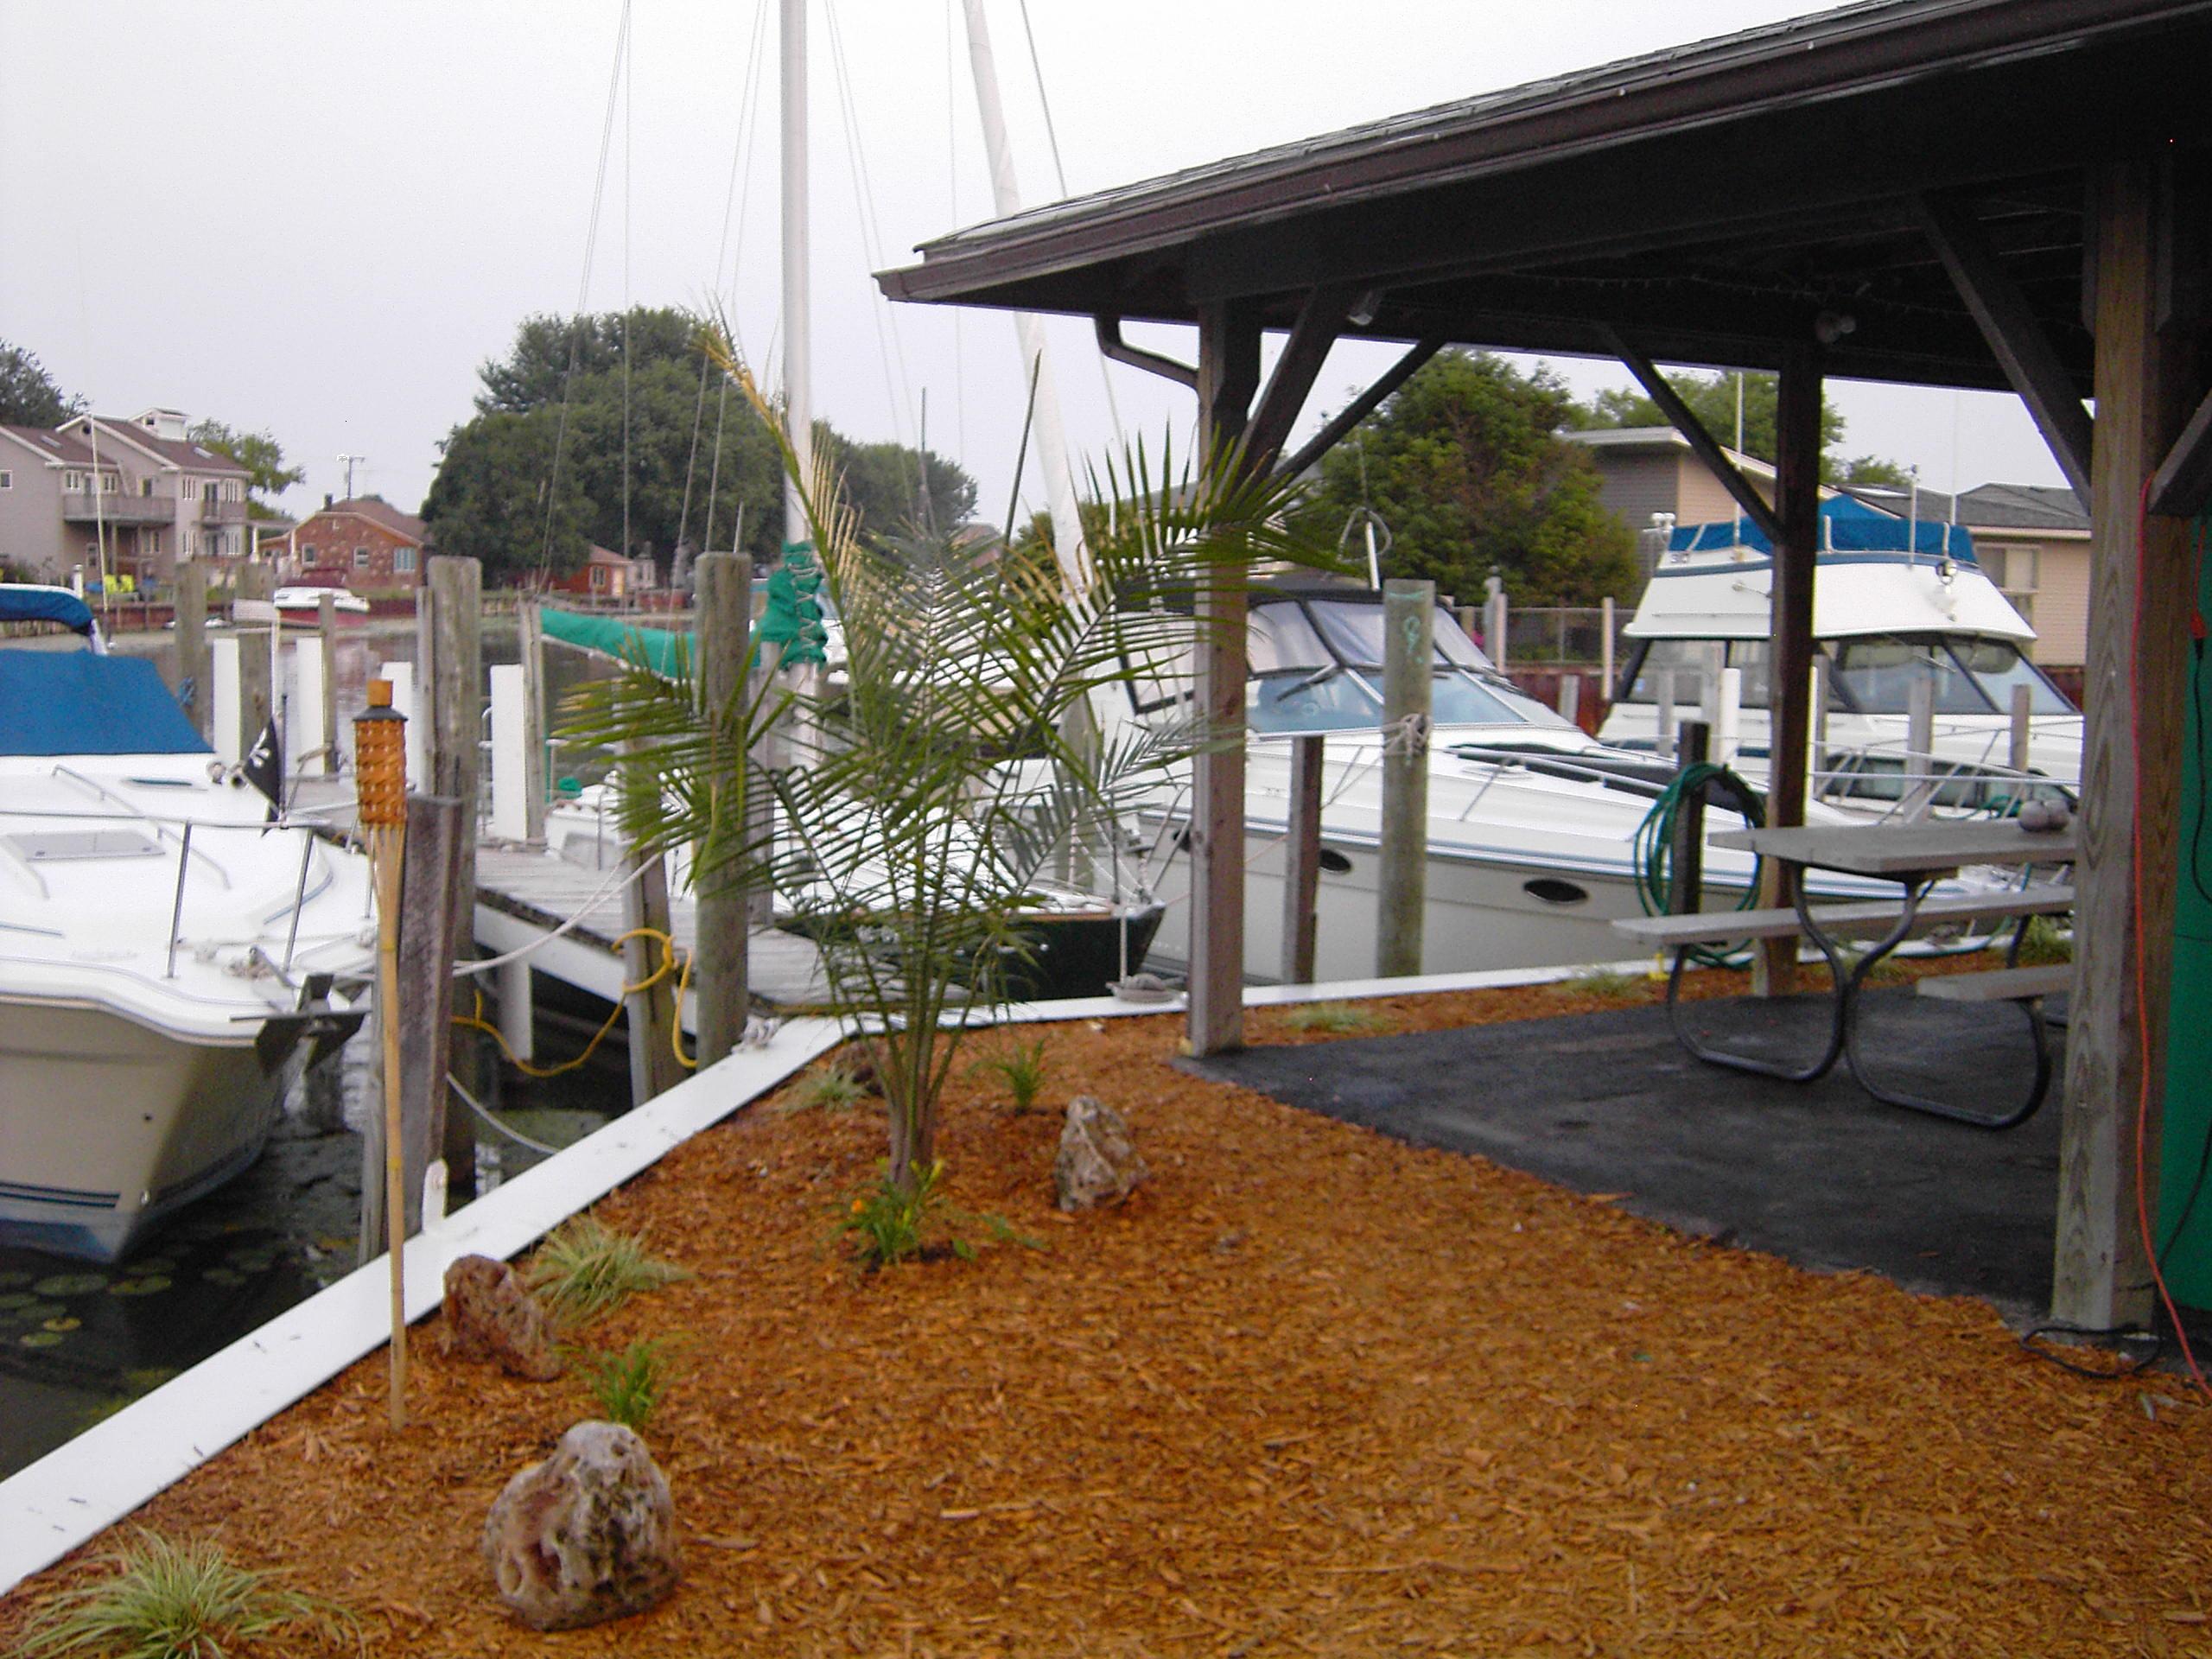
x,y
349,462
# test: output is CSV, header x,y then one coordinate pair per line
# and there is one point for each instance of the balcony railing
x,y
82,507
222,512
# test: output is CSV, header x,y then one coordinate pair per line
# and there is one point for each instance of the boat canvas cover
x,y
1847,525
666,652
25,602
75,702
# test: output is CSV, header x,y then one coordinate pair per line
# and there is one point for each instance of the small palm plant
x,y
924,803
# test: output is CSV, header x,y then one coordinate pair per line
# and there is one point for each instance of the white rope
x,y
1406,736
612,884
477,1107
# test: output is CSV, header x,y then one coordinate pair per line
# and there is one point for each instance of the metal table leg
x,y
1838,1024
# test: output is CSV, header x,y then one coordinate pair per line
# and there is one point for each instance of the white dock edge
x,y
80,1490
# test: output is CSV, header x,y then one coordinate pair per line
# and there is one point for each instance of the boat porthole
x,y
1334,862
1553,891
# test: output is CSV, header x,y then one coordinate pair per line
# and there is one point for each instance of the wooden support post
x,y
1796,550
530,640
725,608
654,1068
1686,852
326,625
1228,373
427,947
2134,694
2022,727
257,689
1301,882
1408,696
1919,793
193,674
450,694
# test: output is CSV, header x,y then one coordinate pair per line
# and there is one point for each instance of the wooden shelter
x,y
1986,193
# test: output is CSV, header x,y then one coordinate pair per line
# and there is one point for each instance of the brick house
x,y
363,544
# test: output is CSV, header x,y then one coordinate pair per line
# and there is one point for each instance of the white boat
x,y
1532,825
1893,601
305,603
169,959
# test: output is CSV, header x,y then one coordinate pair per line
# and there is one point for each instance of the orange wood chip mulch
x,y
1310,1391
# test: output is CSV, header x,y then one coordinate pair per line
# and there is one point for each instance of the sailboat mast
x,y
1029,331
798,322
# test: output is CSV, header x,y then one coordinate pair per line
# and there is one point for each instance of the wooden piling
x,y
725,605
436,839
1408,687
325,628
1686,850
193,671
449,669
1301,886
652,1009
531,643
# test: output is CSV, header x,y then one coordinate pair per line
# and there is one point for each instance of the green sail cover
x,y
668,653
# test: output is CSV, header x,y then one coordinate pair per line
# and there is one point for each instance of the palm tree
x,y
925,798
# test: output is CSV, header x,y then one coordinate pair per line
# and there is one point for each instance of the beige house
x,y
2033,541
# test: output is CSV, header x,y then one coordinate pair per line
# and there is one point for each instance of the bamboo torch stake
x,y
381,771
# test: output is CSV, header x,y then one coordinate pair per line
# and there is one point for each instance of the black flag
x,y
263,766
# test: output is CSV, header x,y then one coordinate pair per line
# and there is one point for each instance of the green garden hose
x,y
1652,848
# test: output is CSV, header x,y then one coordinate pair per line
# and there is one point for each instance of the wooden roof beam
x,y
2182,487
1701,442
2015,335
1361,407
1321,318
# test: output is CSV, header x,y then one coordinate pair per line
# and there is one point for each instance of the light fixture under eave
x,y
1366,308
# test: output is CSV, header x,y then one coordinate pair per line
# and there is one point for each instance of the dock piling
x,y
1408,685
450,664
1301,888
191,663
437,843
725,590
1686,850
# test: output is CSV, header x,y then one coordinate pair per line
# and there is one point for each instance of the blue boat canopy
x,y
75,702
25,602
1847,525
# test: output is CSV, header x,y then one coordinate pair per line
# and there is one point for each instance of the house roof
x,y
59,446
1660,437
1714,202
1988,506
180,453
380,511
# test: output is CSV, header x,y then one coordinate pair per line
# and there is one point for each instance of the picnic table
x,y
1917,857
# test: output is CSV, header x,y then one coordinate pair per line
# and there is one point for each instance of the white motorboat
x,y
1894,601
304,604
169,958
1532,823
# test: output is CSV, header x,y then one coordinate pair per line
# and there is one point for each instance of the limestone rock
x,y
489,1314
586,1536
1098,1162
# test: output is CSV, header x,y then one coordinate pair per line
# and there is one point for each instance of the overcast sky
x,y
319,220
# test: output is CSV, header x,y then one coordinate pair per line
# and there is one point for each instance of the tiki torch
x,y
380,772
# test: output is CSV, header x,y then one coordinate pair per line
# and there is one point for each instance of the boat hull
x,y
109,1126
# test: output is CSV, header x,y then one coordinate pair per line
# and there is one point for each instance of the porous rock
x,y
586,1536
490,1314
1098,1162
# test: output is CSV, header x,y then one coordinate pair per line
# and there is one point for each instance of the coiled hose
x,y
1652,849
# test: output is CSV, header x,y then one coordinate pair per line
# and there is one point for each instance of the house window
x,y
360,558
308,552
73,483
403,560
7,480
185,488
146,485
598,578
191,542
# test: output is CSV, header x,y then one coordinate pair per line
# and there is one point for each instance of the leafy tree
x,y
28,394
1712,398
259,454
533,404
1465,464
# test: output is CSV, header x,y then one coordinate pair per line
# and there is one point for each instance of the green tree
x,y
1712,398
1465,464
693,466
259,454
28,394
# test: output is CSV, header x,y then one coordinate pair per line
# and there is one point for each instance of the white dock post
x,y
1605,650
312,669
1663,741
509,752
1920,746
2016,755
224,653
402,677
516,1015
1728,729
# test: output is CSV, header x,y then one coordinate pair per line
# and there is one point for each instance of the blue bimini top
x,y
1847,525
75,702
27,603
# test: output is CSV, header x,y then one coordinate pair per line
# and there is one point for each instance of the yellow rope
x,y
668,965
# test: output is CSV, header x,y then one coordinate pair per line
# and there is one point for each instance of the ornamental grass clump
x,y
1021,1067
164,1599
1336,1017
832,1088
585,1268
628,1385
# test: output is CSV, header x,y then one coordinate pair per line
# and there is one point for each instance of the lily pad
x,y
15,1298
70,1284
10,1281
224,1276
64,1323
146,1286
152,1264
40,1339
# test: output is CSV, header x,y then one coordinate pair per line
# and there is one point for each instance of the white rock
x,y
586,1536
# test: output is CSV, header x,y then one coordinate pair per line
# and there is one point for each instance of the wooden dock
x,y
524,895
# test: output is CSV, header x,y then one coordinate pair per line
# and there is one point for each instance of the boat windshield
x,y
1973,676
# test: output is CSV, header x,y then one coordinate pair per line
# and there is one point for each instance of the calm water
x,y
77,1341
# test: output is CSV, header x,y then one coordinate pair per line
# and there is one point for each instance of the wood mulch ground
x,y
1310,1391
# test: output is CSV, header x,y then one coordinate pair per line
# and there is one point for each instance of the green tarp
x,y
668,653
